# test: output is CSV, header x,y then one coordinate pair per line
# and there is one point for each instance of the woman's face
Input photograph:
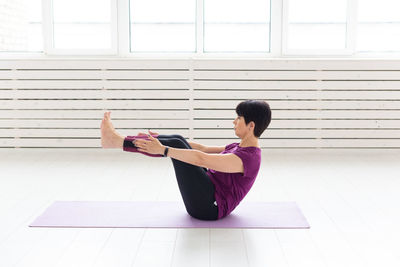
x,y
241,129
240,126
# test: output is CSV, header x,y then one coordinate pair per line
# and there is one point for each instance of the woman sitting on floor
x,y
211,184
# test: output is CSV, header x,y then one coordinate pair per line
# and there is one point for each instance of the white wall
x,y
316,103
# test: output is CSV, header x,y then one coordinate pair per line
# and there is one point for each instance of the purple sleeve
x,y
250,163
229,146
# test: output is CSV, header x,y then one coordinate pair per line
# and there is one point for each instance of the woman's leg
x,y
131,138
176,136
195,185
129,146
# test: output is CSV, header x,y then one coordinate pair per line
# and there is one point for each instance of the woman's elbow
x,y
201,159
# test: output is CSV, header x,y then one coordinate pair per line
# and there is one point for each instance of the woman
x,y
207,194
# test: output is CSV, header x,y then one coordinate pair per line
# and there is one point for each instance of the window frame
x,y
350,38
48,33
278,39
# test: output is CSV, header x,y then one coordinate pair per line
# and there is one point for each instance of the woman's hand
x,y
150,132
151,145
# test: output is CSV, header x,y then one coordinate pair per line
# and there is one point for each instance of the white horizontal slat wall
x,y
321,103
315,103
60,103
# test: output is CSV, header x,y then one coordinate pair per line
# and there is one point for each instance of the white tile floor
x,y
350,197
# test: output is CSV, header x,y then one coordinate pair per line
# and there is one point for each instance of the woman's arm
x,y
229,162
191,156
153,146
207,149
196,146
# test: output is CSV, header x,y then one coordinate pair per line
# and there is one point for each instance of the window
x,y
21,26
315,25
236,25
265,28
378,27
163,25
82,26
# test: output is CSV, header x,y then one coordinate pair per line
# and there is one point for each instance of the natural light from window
x,y
316,24
378,27
236,25
82,24
163,26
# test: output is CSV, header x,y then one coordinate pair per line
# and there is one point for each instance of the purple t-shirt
x,y
231,188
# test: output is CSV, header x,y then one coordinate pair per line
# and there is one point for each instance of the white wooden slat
x,y
271,133
73,133
192,247
307,114
93,114
296,75
303,104
300,249
308,94
310,143
297,123
94,104
78,123
210,114
66,63
184,94
92,84
93,94
264,143
209,133
215,85
293,133
353,95
298,85
94,74
296,64
50,248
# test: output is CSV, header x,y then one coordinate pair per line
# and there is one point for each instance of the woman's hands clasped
x,y
151,145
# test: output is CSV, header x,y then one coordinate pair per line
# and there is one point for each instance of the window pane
x,y
236,11
163,26
315,24
378,11
317,36
317,11
82,24
378,25
163,38
82,36
236,25
162,11
237,37
21,26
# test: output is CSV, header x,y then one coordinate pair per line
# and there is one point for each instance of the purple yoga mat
x,y
161,214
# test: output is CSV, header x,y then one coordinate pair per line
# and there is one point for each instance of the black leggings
x,y
195,185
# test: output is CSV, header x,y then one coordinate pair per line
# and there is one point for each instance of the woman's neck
x,y
249,142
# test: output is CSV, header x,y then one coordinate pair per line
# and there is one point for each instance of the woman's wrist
x,y
165,151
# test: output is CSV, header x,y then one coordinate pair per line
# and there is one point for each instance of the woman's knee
x,y
178,136
173,142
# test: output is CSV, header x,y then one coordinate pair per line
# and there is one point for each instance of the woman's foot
x,y
109,136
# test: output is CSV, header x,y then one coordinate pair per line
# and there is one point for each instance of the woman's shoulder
x,y
231,145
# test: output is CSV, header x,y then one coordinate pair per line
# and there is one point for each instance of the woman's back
x,y
231,188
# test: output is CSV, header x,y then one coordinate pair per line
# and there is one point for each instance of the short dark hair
x,y
257,111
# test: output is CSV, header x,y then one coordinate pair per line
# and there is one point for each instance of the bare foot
x,y
109,136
